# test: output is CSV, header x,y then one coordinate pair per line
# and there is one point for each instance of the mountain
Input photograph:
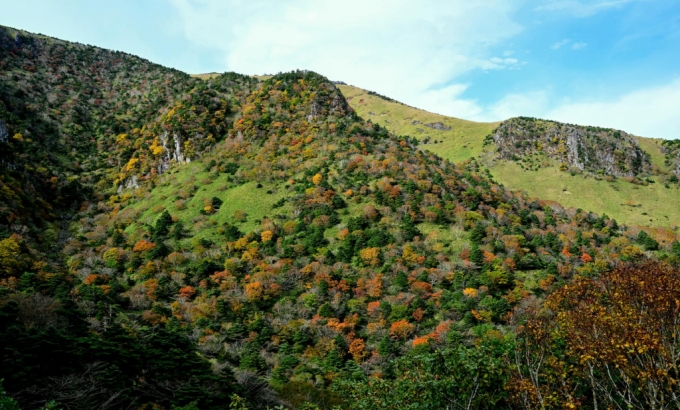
x,y
631,178
228,241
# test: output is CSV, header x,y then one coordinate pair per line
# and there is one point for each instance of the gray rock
x,y
4,132
438,126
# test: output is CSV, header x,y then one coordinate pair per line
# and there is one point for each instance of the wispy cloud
x,y
560,44
582,8
566,41
500,63
648,112
427,56
513,105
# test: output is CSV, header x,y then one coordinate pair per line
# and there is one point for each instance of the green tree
x,y
326,310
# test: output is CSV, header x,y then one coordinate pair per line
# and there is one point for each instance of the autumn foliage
x,y
143,245
401,329
620,333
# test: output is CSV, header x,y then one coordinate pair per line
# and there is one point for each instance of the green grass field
x,y
651,205
206,76
653,148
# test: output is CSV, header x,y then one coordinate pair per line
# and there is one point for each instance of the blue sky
x,y
612,63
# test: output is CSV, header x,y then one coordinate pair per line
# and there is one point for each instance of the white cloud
x,y
513,105
560,44
449,100
500,63
582,8
649,112
566,41
410,53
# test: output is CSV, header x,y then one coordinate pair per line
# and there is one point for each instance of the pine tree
x,y
326,310
323,288
352,371
409,228
330,257
476,254
401,280
163,223
676,248
333,360
477,233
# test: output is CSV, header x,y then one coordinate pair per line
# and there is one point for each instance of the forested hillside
x,y
252,243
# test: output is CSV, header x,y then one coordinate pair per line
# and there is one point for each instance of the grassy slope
x,y
654,205
463,141
256,202
653,148
658,205
206,76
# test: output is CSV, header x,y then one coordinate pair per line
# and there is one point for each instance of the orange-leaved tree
x,y
401,329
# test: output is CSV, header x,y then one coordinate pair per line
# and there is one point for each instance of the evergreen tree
x,y
163,223
409,228
401,280
333,360
326,310
476,254
352,371
178,231
676,248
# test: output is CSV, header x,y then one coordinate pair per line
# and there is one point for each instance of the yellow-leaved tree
x,y
9,256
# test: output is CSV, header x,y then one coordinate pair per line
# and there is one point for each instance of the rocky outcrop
x,y
129,184
589,149
671,149
438,126
328,102
172,153
4,133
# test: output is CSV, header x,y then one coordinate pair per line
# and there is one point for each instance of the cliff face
x,y
590,149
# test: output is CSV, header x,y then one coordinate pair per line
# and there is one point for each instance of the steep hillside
x,y
671,151
318,247
608,171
